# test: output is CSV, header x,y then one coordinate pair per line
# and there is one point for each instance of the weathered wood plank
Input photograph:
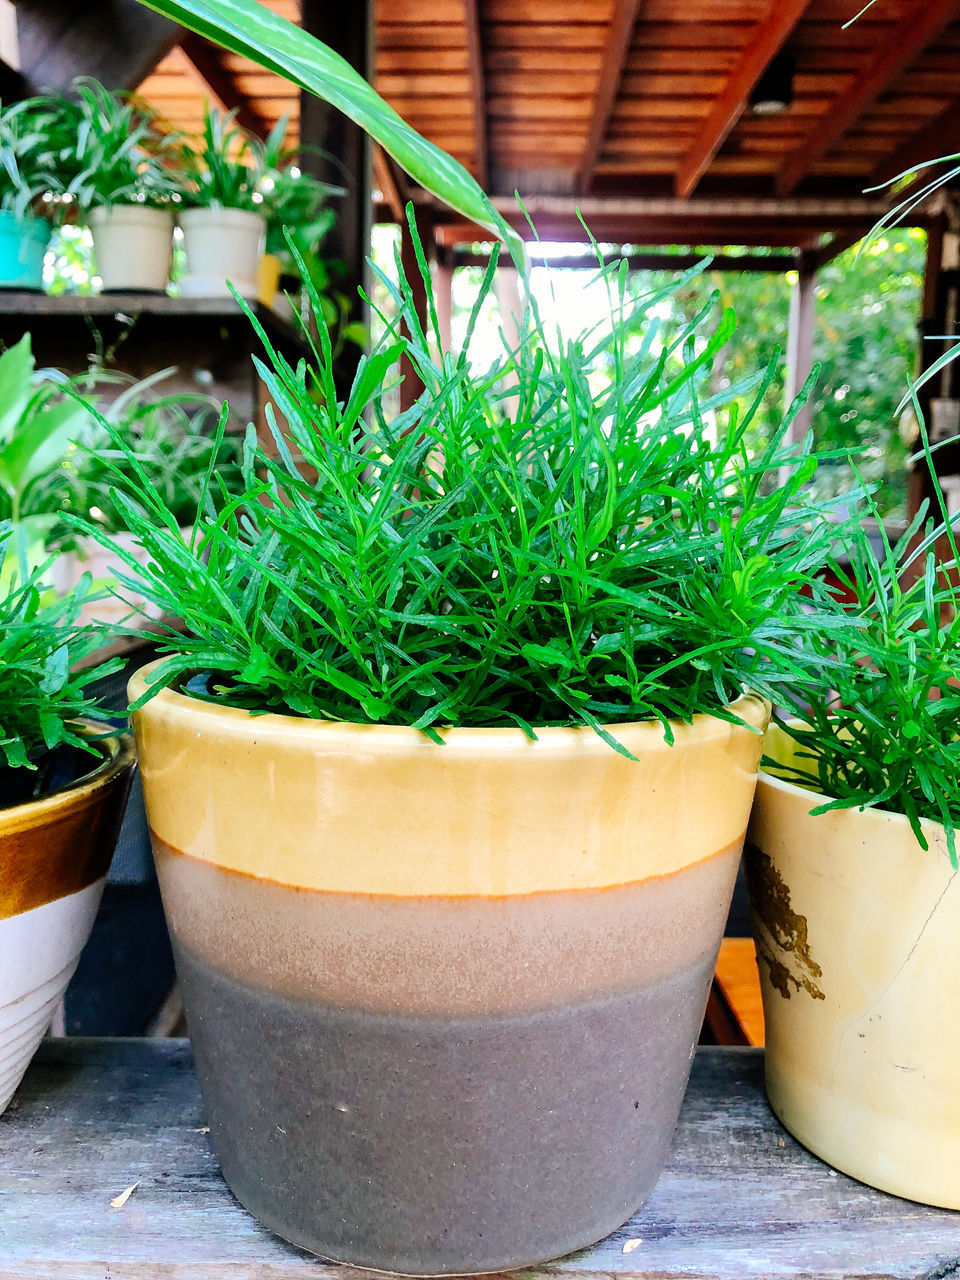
x,y
739,1198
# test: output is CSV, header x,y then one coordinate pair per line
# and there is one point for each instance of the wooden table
x,y
738,1199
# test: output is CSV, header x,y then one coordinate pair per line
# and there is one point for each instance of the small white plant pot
x,y
133,244
222,245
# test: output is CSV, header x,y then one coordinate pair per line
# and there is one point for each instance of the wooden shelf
x,y
208,341
27,304
739,1197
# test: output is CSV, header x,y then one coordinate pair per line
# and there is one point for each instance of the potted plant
x,y
223,225
63,787
852,869
448,777
33,134
125,183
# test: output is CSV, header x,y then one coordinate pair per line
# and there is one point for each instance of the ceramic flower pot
x,y
222,246
54,855
132,244
443,998
23,244
858,940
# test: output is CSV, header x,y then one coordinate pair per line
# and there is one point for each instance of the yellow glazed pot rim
x,y
637,736
119,754
876,813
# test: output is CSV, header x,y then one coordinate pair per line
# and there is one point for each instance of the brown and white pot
x,y
858,941
132,244
443,998
54,855
223,246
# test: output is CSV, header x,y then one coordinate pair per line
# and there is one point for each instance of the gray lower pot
x,y
443,999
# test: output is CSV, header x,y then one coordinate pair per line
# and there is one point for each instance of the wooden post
x,y
118,41
338,151
800,341
412,386
443,284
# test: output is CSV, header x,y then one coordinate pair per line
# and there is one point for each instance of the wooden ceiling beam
x,y
207,60
478,91
118,41
392,183
938,138
730,104
903,45
615,54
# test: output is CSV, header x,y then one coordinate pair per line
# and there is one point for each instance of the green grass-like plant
x,y
117,154
577,535
35,133
226,170
41,639
883,727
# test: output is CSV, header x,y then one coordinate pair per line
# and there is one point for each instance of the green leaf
x,y
253,31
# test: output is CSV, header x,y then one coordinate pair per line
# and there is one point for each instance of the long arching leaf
x,y
248,28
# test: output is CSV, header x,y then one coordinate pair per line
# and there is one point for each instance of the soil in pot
x,y
443,999
54,853
53,771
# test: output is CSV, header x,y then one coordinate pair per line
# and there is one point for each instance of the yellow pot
x,y
443,998
858,939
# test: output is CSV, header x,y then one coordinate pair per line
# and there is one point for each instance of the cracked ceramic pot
x,y
443,998
858,942
54,856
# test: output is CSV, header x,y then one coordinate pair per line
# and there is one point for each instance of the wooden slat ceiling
x,y
642,98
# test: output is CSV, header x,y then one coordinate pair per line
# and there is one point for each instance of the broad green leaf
x,y
250,29
16,371
39,444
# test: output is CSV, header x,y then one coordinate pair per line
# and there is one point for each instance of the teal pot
x,y
23,244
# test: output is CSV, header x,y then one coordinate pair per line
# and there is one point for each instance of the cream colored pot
x,y
132,244
443,998
222,246
54,855
858,941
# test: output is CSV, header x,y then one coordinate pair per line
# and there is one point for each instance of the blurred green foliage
x,y
867,312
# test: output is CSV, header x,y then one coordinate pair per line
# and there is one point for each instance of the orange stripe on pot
x,y
443,956
380,809
63,842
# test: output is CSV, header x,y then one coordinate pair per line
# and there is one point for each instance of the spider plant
x,y
226,170
35,134
42,694
118,154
